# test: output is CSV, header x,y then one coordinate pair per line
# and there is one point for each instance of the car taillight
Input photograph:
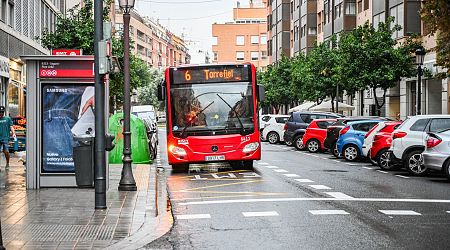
x,y
285,127
398,134
344,130
433,142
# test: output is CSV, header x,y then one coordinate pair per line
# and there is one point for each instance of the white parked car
x,y
408,141
274,128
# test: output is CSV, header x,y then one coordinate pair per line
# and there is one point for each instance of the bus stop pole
x,y
100,156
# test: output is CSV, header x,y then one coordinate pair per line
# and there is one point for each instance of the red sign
x,y
66,52
66,69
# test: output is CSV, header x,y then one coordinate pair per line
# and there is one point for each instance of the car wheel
x,y
414,163
373,161
384,160
288,143
273,137
334,150
313,145
446,169
298,142
351,153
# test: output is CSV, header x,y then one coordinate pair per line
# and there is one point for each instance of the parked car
x,y
152,136
298,122
370,136
408,141
315,134
351,138
437,153
145,112
263,120
333,130
379,150
274,130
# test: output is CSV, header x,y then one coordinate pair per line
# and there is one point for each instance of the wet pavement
x,y
65,218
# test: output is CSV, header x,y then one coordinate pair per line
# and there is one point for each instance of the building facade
x,y
244,39
279,29
303,26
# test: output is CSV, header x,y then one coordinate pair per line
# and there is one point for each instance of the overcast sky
x,y
193,18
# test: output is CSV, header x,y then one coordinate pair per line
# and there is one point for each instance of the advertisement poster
x,y
67,111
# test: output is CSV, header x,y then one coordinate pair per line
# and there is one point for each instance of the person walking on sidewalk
x,y
6,127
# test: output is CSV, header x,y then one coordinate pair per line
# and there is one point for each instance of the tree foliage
x,y
436,15
148,93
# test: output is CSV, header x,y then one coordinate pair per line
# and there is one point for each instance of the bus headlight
x,y
177,150
250,147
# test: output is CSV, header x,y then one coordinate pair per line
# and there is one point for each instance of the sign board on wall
x,y
65,69
67,52
4,67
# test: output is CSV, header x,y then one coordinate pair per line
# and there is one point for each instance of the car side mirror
x,y
261,93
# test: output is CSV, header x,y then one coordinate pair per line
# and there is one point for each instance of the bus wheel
x,y
247,165
180,168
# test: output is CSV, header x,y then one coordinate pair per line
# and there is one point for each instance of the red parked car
x,y
381,144
316,133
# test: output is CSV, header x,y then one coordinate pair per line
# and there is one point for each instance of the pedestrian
x,y
6,127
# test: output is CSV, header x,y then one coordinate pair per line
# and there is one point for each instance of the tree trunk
x,y
332,104
377,104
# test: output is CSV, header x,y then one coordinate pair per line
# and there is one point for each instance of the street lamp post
x,y
420,55
127,182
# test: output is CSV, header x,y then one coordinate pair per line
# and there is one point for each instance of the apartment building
x,y
303,26
244,39
153,43
279,29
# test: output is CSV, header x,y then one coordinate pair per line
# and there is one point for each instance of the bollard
x,y
1,237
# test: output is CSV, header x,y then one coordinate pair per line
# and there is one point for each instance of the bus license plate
x,y
215,158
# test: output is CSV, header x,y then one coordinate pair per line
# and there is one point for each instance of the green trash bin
x,y
139,143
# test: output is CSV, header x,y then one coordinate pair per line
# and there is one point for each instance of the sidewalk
x,y
56,218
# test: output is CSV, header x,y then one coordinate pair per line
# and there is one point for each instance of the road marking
x,y
319,187
250,175
401,176
339,195
304,180
447,212
323,158
280,170
260,214
291,175
270,166
220,185
353,164
228,175
193,216
263,163
367,168
381,171
338,161
327,212
399,212
316,199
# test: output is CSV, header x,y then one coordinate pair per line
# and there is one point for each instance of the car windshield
x,y
205,109
145,114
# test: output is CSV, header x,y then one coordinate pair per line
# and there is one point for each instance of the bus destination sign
x,y
211,74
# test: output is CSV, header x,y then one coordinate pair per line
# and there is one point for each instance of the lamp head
x,y
420,55
126,5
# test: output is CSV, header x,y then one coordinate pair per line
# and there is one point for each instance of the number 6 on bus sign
x,y
187,76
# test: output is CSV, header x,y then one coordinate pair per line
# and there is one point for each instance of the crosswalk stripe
x,y
291,175
399,212
263,163
280,170
319,187
327,212
193,216
270,166
304,180
260,214
447,212
338,195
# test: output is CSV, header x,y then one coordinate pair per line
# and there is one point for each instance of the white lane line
x,y
323,158
291,175
271,167
304,180
367,168
319,187
260,214
263,163
338,161
193,216
315,199
339,195
280,170
327,212
381,171
401,176
447,212
399,212
353,164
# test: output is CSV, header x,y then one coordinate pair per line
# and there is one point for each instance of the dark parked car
x,y
333,130
296,126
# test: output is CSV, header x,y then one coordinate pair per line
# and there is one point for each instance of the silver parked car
x,y
437,152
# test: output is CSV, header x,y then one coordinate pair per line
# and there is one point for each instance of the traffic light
x,y
105,50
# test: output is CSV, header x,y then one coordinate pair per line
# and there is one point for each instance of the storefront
x,y
16,94
4,79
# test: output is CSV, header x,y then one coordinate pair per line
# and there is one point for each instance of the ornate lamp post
x,y
420,55
127,182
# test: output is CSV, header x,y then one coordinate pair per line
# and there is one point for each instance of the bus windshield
x,y
213,108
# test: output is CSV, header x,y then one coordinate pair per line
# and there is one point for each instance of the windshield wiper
x,y
192,119
237,115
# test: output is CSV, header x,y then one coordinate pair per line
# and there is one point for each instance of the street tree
x,y
147,94
436,17
371,59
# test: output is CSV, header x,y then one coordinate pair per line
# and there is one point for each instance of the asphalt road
x,y
297,200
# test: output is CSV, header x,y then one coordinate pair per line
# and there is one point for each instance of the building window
x,y
214,40
312,31
214,55
264,54
366,4
350,7
240,40
360,6
337,11
254,55
11,14
303,26
263,39
254,39
3,11
240,56
397,13
378,19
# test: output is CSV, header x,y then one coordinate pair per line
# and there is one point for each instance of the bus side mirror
x,y
161,93
261,93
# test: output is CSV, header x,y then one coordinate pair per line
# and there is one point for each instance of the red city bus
x,y
212,114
